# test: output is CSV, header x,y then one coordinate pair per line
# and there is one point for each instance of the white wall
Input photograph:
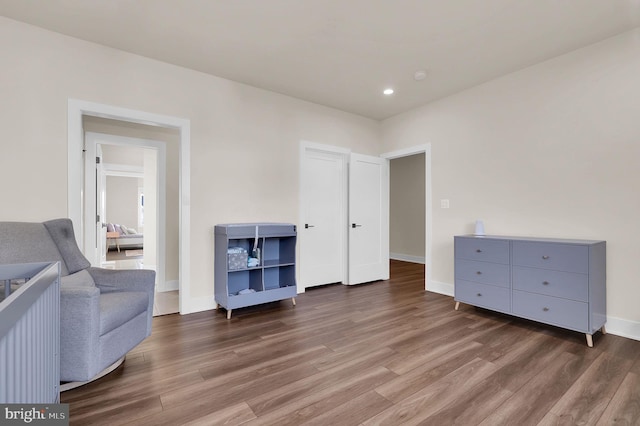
x,y
122,200
244,141
551,150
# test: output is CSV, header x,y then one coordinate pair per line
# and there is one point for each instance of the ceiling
x,y
341,53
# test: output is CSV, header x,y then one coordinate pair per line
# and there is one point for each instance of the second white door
x,y
368,219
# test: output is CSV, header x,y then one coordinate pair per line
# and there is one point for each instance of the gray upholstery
x,y
103,313
61,231
22,242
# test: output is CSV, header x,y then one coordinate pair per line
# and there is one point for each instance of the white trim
x,y
324,148
407,258
201,304
75,180
623,328
344,154
426,149
441,288
171,285
122,170
91,140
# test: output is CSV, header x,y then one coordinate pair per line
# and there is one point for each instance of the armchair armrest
x,y
124,279
142,280
80,320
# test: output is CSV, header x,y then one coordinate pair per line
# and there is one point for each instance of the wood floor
x,y
386,353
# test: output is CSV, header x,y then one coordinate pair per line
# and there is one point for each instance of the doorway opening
x,y
411,207
78,112
126,206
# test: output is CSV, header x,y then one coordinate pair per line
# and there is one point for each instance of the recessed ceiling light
x,y
388,91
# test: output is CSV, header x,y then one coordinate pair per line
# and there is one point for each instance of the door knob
x,y
307,226
354,225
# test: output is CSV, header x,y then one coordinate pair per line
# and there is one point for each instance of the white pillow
x,y
131,231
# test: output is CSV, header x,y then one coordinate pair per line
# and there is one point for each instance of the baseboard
x,y
441,288
199,304
623,328
407,258
167,286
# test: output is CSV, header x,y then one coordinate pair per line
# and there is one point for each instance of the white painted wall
x,y
244,141
551,150
122,201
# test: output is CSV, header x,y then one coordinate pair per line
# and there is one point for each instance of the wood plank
x,y
431,399
588,397
533,400
231,416
624,408
316,405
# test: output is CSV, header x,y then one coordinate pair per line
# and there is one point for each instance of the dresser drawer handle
x,y
478,273
479,294
545,309
545,282
478,251
545,257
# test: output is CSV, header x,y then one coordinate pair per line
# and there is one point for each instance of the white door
x,y
93,202
321,233
368,219
101,208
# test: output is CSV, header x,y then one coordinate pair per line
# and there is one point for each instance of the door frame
x,y
94,138
75,180
406,152
343,153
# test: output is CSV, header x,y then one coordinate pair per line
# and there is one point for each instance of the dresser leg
x,y
603,330
457,306
589,340
293,300
228,313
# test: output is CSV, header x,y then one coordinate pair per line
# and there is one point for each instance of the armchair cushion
x,y
61,231
23,242
129,280
79,279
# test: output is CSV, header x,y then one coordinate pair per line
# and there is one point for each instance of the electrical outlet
x,y
444,204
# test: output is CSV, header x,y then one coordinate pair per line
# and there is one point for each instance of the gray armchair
x,y
104,313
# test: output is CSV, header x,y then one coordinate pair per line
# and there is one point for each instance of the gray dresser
x,y
555,281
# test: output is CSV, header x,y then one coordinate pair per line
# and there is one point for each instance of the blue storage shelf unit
x,y
274,278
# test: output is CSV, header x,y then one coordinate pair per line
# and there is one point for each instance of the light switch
x,y
444,204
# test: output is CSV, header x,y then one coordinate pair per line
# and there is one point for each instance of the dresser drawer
x,y
483,272
480,249
569,285
552,310
559,257
486,296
